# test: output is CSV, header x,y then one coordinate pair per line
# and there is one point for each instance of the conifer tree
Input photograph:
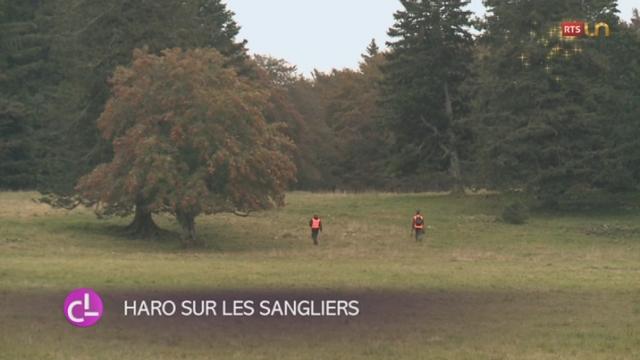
x,y
25,74
619,106
429,60
539,97
372,51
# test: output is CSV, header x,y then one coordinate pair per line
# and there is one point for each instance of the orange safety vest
x,y
415,222
315,224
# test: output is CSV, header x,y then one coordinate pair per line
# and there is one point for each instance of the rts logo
x,y
581,28
83,308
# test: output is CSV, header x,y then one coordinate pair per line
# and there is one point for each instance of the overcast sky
x,y
322,34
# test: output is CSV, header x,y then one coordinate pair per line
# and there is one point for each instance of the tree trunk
x,y
454,159
188,223
143,225
454,168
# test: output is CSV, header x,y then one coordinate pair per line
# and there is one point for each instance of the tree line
x,y
454,102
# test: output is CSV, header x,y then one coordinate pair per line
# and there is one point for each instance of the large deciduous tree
x,y
428,62
300,103
189,137
350,109
93,37
333,120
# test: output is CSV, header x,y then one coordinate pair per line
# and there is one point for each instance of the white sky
x,y
322,34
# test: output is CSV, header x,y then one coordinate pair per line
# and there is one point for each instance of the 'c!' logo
x,y
83,308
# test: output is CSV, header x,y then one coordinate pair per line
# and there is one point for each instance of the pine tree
x,y
428,62
221,30
619,106
372,51
16,149
25,74
539,97
635,19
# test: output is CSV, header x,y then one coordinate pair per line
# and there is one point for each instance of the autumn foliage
x,y
189,137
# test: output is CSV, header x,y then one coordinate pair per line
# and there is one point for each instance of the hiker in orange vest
x,y
316,227
417,225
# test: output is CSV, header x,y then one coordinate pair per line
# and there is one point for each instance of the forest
x,y
473,185
452,102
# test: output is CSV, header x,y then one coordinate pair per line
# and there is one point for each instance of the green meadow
x,y
562,286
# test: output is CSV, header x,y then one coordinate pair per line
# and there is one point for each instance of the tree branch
x,y
446,149
430,126
436,132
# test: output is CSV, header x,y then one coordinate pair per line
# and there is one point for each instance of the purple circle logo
x,y
83,308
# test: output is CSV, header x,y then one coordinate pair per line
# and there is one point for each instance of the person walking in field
x,y
417,225
316,227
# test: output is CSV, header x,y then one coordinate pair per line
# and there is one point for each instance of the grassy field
x,y
563,286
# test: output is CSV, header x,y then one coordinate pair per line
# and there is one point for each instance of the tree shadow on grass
x,y
213,237
119,231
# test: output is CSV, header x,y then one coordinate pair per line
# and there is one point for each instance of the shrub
x,y
515,213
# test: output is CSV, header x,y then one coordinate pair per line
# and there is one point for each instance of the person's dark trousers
x,y
314,236
419,234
